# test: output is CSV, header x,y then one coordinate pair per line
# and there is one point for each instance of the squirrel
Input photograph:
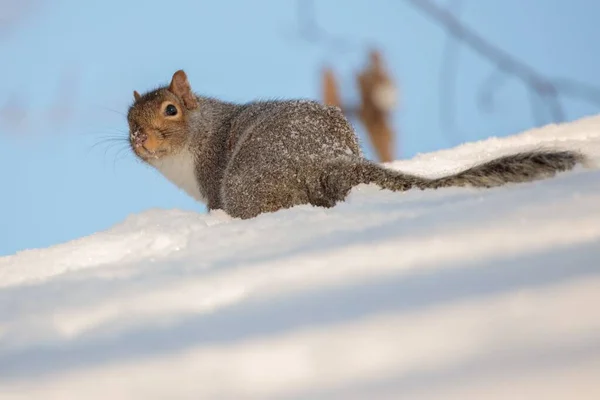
x,y
264,156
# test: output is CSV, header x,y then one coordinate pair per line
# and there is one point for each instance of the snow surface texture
x,y
448,294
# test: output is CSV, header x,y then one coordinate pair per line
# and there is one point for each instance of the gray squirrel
x,y
264,156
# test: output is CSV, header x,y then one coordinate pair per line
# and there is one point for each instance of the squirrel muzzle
x,y
146,144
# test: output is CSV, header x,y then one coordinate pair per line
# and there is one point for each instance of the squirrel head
x,y
158,120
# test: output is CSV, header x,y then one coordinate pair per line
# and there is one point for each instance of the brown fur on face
x,y
153,132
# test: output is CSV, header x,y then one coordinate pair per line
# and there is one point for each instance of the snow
x,y
453,294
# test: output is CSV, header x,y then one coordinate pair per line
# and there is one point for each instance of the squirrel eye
x,y
170,110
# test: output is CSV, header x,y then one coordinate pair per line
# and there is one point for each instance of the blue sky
x,y
56,187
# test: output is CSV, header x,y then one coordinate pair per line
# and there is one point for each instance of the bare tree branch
x,y
545,94
448,73
547,90
310,30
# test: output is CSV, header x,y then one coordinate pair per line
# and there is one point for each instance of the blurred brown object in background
x,y
377,101
330,91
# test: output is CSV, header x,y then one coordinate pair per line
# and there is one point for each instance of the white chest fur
x,y
180,169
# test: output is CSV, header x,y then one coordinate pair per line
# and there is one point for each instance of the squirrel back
x,y
264,156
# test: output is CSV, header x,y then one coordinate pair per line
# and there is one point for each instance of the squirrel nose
x,y
138,138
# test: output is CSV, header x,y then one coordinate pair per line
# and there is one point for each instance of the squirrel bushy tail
x,y
342,175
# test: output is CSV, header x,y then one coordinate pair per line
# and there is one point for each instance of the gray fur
x,y
266,156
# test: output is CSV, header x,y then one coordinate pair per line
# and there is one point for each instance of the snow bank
x,y
455,293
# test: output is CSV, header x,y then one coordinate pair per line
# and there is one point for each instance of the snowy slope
x,y
449,294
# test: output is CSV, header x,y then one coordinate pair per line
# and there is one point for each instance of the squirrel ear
x,y
180,86
136,95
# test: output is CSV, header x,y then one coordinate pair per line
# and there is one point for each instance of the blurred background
x,y
413,75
